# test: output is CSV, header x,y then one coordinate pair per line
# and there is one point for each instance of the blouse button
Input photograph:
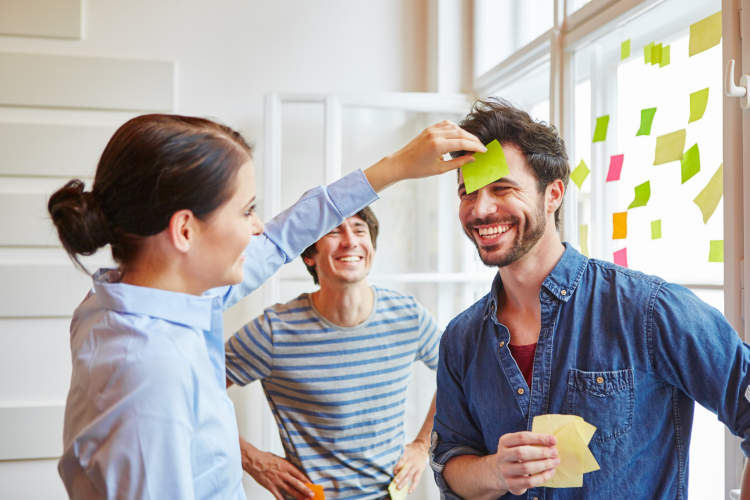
x,y
520,390
599,380
502,344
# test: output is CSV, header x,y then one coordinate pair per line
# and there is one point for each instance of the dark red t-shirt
x,y
524,356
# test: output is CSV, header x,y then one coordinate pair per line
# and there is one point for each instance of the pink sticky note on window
x,y
621,257
615,167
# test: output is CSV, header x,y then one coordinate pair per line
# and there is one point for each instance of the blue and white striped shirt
x,y
338,394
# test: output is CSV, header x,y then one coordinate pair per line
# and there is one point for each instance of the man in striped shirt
x,y
335,367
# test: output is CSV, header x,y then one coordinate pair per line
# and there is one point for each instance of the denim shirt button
x,y
502,343
520,390
599,380
563,292
536,498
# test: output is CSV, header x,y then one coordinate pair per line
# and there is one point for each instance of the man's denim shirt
x,y
627,352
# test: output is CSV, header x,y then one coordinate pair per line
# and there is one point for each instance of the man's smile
x,y
492,232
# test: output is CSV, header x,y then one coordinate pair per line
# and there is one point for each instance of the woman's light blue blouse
x,y
147,414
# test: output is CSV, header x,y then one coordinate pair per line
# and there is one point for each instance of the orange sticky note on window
x,y
318,490
620,226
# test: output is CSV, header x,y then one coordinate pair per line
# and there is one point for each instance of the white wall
x,y
227,54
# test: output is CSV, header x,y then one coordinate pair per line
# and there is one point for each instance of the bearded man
x,y
563,334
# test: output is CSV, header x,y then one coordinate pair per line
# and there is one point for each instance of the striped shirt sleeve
x,y
249,352
429,338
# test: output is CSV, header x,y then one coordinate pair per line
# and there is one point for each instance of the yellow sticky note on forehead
x,y
486,169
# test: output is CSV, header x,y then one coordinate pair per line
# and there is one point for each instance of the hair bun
x,y
81,224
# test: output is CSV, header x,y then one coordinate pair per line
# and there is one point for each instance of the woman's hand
x,y
274,473
423,157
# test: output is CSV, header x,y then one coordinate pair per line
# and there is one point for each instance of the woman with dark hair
x,y
147,414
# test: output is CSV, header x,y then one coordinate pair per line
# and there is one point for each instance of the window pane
x,y
504,26
530,92
574,5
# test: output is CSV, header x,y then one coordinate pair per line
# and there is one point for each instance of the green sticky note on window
x,y
486,169
698,103
708,199
647,118
664,56
656,54
642,195
656,229
716,251
579,174
647,53
669,147
600,134
705,34
624,50
690,163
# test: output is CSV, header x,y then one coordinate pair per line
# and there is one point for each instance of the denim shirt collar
x,y
561,282
181,308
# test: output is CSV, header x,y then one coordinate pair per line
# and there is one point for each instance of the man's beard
x,y
522,243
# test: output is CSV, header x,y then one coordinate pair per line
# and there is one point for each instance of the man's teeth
x,y
350,259
489,231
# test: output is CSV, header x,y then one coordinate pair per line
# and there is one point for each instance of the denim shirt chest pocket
x,y
604,399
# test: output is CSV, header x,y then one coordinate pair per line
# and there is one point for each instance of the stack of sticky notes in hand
x,y
398,494
573,435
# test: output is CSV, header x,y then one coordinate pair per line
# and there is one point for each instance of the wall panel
x,y
31,149
31,480
28,291
86,82
43,342
25,222
41,18
31,432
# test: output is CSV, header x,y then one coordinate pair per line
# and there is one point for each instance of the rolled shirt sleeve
x,y
454,432
694,348
288,234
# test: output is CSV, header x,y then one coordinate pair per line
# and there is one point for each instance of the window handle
x,y
733,90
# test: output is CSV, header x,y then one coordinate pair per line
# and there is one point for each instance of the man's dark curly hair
x,y
366,215
496,118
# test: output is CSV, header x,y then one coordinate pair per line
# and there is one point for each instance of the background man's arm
x,y
414,460
746,482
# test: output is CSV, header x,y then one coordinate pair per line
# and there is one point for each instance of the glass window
x,y
665,233
574,5
504,26
529,91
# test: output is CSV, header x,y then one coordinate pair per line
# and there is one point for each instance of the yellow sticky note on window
x,y
708,199
579,174
664,56
656,54
583,238
705,34
669,147
624,50
656,229
647,53
487,168
318,490
698,103
620,226
573,436
716,251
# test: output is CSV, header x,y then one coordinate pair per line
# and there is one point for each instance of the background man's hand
x,y
274,473
413,463
525,460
